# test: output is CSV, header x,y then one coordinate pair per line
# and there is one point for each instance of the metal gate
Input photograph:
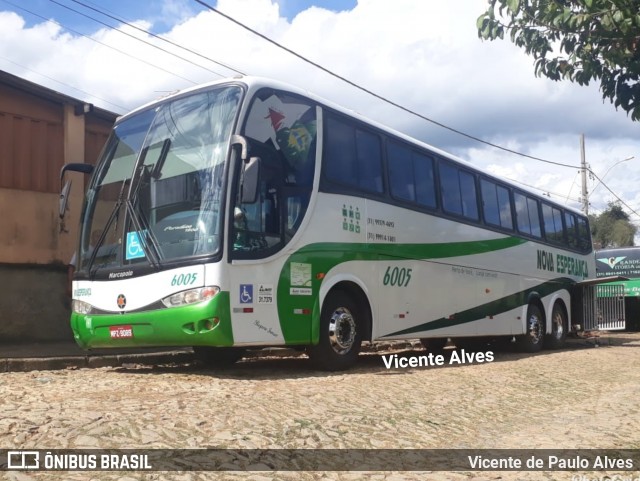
x,y
603,307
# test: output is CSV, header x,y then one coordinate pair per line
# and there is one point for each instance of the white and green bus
x,y
246,213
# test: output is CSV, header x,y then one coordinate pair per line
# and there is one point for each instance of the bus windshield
x,y
157,192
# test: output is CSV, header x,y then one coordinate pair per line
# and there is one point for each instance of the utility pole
x,y
583,164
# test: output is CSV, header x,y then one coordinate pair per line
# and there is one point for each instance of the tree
x,y
612,228
576,40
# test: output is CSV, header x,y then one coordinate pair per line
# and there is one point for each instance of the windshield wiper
x,y
113,216
142,174
148,242
156,172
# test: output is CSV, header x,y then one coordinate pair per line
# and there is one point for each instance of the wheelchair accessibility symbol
x,y
246,293
134,248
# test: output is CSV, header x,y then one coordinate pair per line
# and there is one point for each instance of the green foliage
x,y
612,228
576,40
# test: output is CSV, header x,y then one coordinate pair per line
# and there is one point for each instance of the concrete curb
x,y
91,361
57,362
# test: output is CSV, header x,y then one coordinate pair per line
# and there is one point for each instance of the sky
x,y
423,55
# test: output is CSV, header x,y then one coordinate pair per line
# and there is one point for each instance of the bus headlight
x,y
191,296
81,307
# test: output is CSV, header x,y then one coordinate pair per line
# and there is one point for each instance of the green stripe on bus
x,y
365,251
323,256
493,308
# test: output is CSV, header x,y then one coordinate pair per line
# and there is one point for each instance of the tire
x,y
341,327
218,356
434,344
559,328
533,339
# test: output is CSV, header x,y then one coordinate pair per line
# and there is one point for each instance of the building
x,y
40,130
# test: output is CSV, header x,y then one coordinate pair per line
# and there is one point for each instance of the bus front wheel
x,y
533,338
341,326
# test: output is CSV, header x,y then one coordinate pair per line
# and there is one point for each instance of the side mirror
x,y
75,167
64,190
250,181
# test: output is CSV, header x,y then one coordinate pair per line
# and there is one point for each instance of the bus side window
x,y
369,155
425,183
504,204
339,152
553,227
458,191
401,176
490,207
527,215
411,175
496,204
584,235
572,233
450,187
353,156
534,217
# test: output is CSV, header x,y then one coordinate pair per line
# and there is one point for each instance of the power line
x,y
395,104
102,12
292,52
613,193
65,84
374,94
357,86
98,42
137,38
571,188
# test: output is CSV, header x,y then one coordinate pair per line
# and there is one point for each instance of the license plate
x,y
121,332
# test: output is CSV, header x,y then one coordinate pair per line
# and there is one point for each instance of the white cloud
x,y
424,55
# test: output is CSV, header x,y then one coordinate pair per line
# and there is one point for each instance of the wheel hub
x,y
559,326
536,330
342,330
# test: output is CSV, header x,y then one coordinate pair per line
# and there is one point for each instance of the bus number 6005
x,y
183,279
398,276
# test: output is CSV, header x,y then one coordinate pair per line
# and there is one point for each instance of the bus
x,y
625,263
246,213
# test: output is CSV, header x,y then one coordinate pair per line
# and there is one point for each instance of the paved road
x,y
581,397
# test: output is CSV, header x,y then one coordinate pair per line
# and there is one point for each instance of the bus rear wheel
x,y
559,327
533,338
218,356
341,327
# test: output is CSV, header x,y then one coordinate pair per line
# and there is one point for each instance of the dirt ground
x,y
579,397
